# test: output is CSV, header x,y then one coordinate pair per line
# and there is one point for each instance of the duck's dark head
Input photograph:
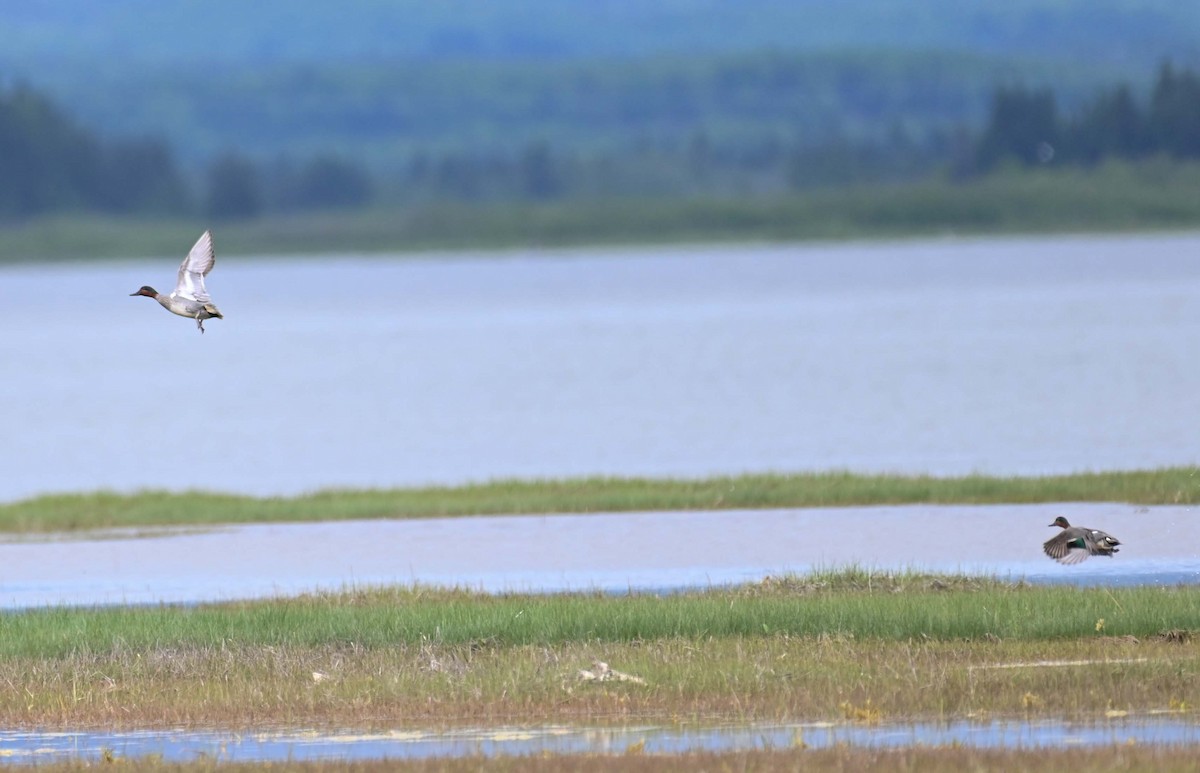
x,y
145,290
1061,522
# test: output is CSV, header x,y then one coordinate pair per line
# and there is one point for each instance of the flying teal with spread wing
x,y
190,297
1075,543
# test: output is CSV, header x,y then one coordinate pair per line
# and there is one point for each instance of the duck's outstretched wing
x,y
1066,548
194,268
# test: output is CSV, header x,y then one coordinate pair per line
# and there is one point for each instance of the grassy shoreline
x,y
1156,195
102,510
836,647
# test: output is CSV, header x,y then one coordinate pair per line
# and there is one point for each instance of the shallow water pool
x,y
184,745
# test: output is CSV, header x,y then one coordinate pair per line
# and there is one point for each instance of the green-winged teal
x,y
190,298
1075,543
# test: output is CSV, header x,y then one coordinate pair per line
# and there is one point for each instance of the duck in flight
x,y
1075,543
190,298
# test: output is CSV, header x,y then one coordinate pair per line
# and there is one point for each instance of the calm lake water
x,y
616,552
1009,356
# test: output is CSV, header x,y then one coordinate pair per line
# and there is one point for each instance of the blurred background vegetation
x,y
401,115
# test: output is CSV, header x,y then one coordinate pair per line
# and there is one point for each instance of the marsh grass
x,y
64,512
905,646
912,607
687,680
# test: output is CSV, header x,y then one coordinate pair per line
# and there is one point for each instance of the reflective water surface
x,y
614,552
1007,356
183,745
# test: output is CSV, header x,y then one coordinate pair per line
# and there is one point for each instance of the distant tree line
x,y
238,188
49,163
1025,126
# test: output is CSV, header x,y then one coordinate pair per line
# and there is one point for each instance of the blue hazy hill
x,y
379,80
